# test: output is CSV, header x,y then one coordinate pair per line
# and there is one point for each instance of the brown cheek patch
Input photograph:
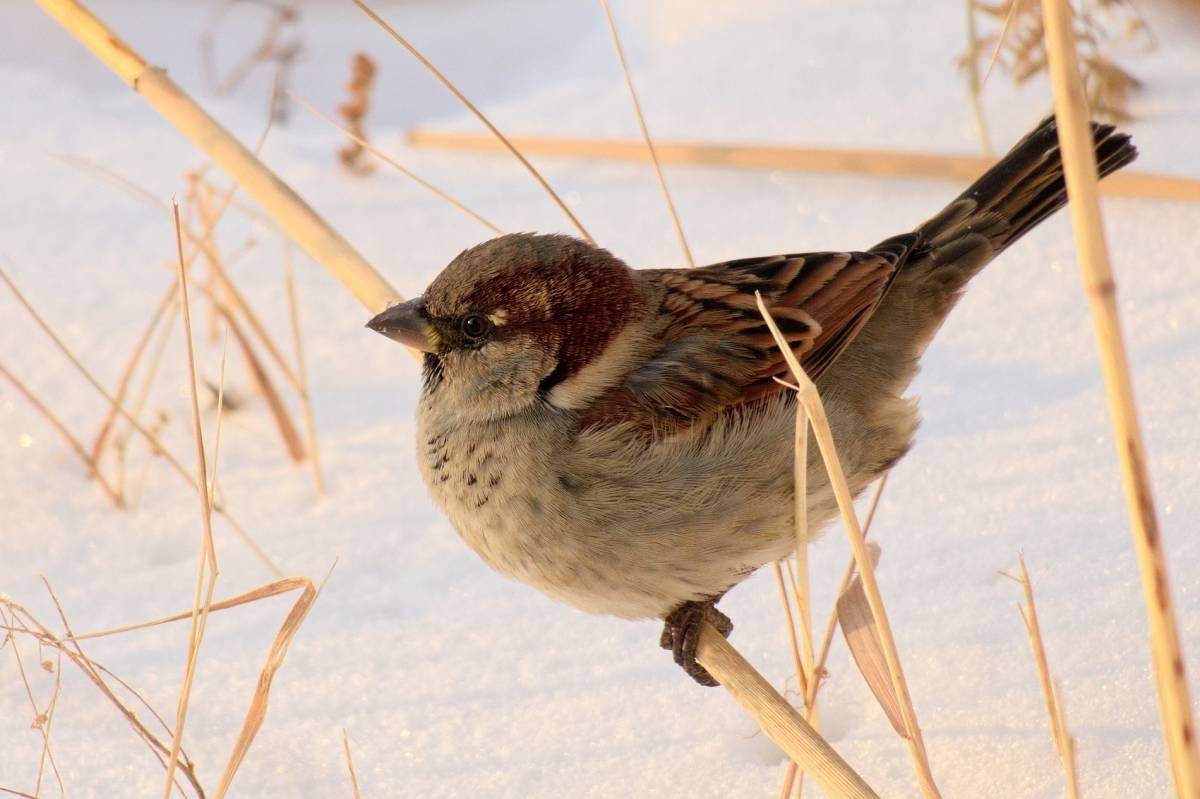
x,y
572,311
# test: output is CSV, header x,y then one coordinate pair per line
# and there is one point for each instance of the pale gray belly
x,y
591,523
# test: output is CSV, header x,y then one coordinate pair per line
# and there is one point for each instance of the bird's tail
x,y
1025,187
1012,197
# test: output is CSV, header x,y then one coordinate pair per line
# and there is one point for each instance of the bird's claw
x,y
681,634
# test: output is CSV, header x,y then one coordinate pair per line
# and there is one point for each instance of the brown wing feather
x,y
717,352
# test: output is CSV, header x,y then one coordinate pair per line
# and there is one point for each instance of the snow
x,y
450,680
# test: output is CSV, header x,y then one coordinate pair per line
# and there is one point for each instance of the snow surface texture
x,y
452,681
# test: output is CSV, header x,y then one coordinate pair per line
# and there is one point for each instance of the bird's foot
x,y
681,633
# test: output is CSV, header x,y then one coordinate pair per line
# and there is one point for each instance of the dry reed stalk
x,y
92,466
1013,9
156,356
176,466
350,764
1063,743
974,83
295,216
266,591
641,120
354,110
1079,162
258,373
776,718
310,428
257,711
800,588
790,623
393,163
130,367
503,140
789,777
228,288
1069,764
807,394
800,512
879,163
208,554
847,577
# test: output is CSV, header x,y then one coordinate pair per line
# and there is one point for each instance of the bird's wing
x,y
717,352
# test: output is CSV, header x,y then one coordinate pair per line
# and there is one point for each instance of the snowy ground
x,y
452,681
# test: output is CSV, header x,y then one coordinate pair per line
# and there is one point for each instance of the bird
x,y
618,439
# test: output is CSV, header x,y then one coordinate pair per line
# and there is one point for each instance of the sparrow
x,y
615,437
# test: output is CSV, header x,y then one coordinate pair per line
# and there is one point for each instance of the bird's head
x,y
521,320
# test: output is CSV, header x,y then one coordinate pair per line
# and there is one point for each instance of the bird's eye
x,y
475,325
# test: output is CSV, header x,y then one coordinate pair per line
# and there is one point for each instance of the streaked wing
x,y
717,352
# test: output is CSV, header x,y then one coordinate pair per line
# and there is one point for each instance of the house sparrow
x,y
614,437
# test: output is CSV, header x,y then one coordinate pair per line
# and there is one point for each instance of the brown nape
x,y
570,297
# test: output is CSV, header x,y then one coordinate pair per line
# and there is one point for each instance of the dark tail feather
x,y
1024,188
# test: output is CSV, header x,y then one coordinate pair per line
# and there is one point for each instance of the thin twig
x,y
130,367
49,723
393,163
641,120
350,764
801,677
208,556
72,441
1058,730
973,81
478,115
310,429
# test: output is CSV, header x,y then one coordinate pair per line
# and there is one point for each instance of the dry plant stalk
x,y
42,719
641,120
131,367
207,566
793,639
350,764
1079,162
1019,47
503,140
354,110
807,394
270,49
1064,744
208,246
262,380
778,719
24,622
257,712
974,82
393,163
92,466
176,466
879,163
295,216
310,428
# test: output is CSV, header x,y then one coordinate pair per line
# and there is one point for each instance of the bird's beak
x,y
407,323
